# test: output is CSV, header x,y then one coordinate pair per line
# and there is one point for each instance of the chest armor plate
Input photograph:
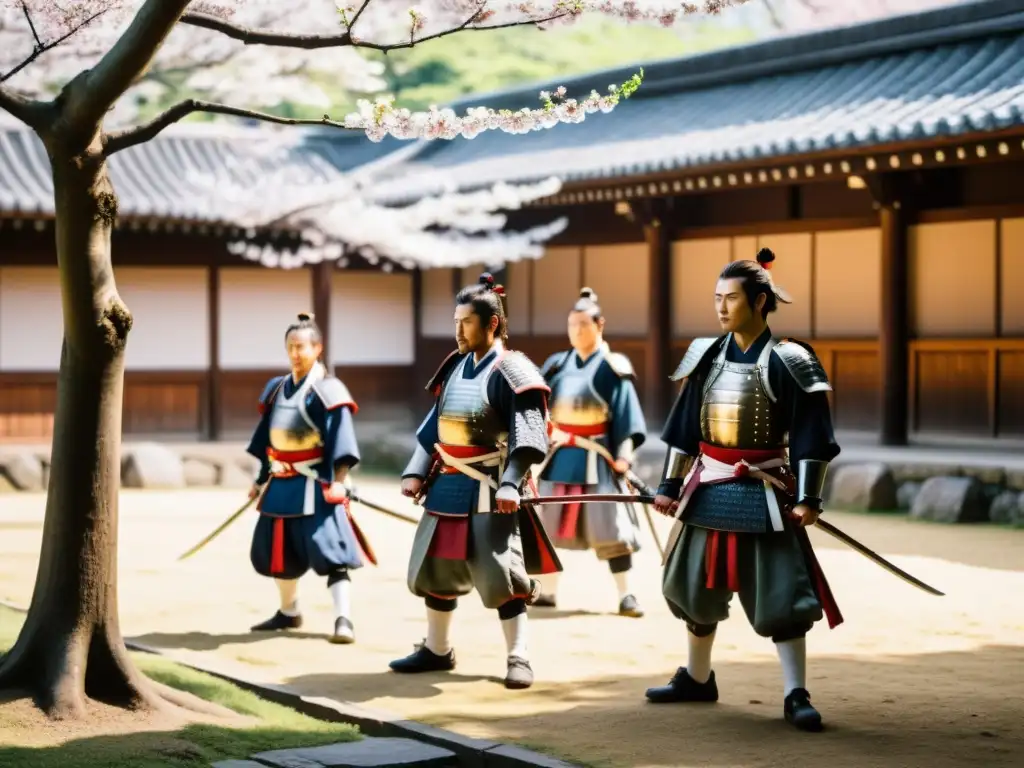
x,y
291,428
574,400
738,408
465,416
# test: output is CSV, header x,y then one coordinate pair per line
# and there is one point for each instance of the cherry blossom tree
x,y
71,648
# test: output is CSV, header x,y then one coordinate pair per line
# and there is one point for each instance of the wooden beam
x,y
214,423
322,276
657,234
894,336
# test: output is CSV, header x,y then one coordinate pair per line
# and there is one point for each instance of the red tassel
x,y
732,562
711,559
277,546
570,512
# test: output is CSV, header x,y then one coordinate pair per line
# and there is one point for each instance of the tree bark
x,y
70,648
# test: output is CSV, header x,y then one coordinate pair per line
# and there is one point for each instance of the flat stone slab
x,y
368,753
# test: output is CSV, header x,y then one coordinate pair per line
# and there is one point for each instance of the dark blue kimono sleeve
x,y
423,457
340,443
807,415
258,447
526,416
626,415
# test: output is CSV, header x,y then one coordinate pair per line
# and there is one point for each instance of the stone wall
x,y
947,492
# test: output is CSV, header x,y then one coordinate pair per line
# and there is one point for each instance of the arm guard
x,y
677,466
698,351
419,465
803,365
810,480
620,364
334,394
520,373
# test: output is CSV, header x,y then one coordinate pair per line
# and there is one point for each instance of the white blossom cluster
x,y
221,65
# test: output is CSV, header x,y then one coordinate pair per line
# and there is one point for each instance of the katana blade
x,y
824,525
218,530
877,558
383,510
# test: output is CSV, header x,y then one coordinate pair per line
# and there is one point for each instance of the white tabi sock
x,y
289,591
698,665
793,655
515,636
341,594
438,625
622,583
548,583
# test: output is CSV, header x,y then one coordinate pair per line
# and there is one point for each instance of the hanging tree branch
x,y
40,47
29,111
250,36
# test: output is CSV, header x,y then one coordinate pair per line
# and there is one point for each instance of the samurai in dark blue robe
x,y
306,444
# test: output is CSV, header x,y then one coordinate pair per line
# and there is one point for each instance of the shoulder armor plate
x,y
803,365
334,394
698,350
520,373
270,392
434,385
554,363
620,364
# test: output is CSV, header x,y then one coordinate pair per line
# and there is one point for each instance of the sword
x,y
218,530
823,524
383,510
645,490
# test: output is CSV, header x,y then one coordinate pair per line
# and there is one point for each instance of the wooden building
x,y
880,162
208,325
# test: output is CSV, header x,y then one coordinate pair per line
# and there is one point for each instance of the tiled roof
x,y
951,71
156,179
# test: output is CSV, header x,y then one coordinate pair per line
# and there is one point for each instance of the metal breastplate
x,y
465,417
738,408
291,428
574,400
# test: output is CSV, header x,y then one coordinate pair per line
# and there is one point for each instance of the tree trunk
x,y
70,648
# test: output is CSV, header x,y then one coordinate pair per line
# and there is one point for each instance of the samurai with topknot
x,y
750,440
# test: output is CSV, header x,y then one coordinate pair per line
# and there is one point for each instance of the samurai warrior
x,y
475,448
306,444
595,429
742,505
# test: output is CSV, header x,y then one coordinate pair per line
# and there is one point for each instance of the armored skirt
x,y
326,541
610,529
732,538
492,552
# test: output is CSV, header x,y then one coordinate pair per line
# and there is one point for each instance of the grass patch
x,y
276,727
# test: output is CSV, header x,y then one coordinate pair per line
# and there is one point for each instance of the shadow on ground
x,y
941,710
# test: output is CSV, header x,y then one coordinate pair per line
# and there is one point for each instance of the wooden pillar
x,y
657,234
214,397
322,274
894,331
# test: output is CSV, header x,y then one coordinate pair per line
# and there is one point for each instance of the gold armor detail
x,y
738,409
291,428
464,416
567,413
574,401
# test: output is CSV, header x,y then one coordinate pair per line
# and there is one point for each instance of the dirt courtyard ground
x,y
909,680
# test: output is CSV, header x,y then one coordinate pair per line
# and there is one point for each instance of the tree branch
x,y
249,36
123,63
129,137
32,113
40,47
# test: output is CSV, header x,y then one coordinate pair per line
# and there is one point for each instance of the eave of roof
x,y
953,71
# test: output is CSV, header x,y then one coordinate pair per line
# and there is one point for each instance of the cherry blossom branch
x,y
382,118
129,137
40,47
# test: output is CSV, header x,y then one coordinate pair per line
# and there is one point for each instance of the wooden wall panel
x,y
163,403
1010,389
556,286
696,265
1011,277
27,407
438,307
619,274
847,283
792,271
856,381
950,390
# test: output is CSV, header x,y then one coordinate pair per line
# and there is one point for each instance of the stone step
x,y
367,753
